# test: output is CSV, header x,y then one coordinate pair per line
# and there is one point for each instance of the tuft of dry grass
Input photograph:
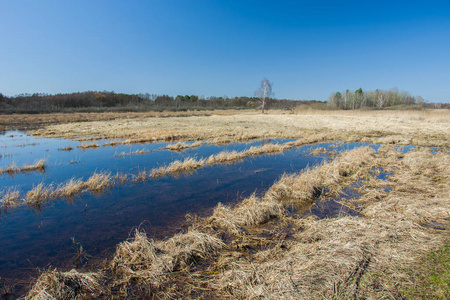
x,y
70,188
251,211
144,259
13,169
137,152
176,167
68,148
40,194
85,146
98,182
54,284
181,146
9,198
302,189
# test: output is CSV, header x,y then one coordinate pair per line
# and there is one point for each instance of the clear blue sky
x,y
308,49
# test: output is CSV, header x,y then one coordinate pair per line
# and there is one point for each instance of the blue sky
x,y
308,49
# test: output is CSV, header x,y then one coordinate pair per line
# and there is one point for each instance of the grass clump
x,y
54,284
180,146
176,167
251,211
13,169
144,259
85,146
40,194
10,198
98,182
137,152
70,188
302,189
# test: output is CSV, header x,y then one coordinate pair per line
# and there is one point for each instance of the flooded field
x,y
34,239
215,207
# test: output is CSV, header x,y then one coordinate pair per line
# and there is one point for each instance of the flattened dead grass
x,y
251,211
304,188
424,128
54,284
144,259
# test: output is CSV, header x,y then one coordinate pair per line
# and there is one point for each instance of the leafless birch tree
x,y
264,92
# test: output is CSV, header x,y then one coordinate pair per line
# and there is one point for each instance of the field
x,y
288,205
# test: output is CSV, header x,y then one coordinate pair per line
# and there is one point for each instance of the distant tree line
x,y
375,99
111,101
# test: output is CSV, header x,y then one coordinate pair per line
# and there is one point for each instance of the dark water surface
x,y
31,240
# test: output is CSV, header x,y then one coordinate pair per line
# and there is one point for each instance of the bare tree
x,y
264,92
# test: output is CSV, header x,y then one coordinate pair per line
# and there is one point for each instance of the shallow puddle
x,y
32,240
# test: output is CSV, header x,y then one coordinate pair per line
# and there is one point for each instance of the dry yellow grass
x,y
85,146
13,169
144,259
54,284
302,189
427,128
98,182
180,146
137,152
251,211
9,198
40,194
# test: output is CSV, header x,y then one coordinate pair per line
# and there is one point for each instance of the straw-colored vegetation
x,y
141,259
427,128
85,146
9,198
137,152
191,164
13,169
42,193
54,284
259,248
68,148
180,146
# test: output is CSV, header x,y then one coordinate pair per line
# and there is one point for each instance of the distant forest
x,y
378,99
111,101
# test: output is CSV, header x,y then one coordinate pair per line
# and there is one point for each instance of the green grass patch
x,y
432,276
